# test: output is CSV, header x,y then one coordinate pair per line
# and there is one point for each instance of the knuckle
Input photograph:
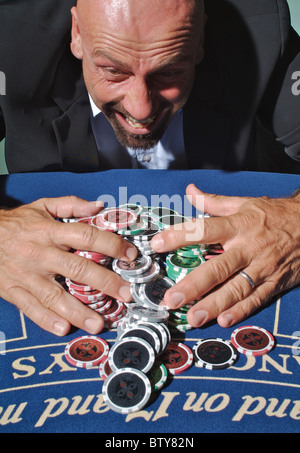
x,y
108,283
24,304
79,268
172,235
238,291
73,199
192,282
220,268
88,236
250,305
50,299
117,245
194,230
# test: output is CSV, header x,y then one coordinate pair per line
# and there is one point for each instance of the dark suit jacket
x,y
251,54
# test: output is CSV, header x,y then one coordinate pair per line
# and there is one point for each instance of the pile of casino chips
x,y
144,355
111,309
183,261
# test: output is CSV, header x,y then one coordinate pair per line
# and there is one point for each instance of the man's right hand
x,y
35,247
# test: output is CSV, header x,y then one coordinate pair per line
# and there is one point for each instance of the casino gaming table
x,y
40,392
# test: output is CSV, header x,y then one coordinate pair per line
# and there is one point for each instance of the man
x,y
150,69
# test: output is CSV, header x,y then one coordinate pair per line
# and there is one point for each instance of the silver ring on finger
x,y
248,278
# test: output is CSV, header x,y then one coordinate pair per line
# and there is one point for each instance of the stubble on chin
x,y
134,141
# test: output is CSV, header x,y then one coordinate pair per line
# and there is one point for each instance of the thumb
x,y
215,205
71,206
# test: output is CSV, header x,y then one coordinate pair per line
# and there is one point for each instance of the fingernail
x,y
125,293
200,317
131,253
92,325
60,328
227,320
157,243
99,203
176,299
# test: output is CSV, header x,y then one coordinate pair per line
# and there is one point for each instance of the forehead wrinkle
x,y
118,45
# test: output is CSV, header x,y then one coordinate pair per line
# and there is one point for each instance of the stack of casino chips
x,y
144,353
164,217
178,265
183,261
111,309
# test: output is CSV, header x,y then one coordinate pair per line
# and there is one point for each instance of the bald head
x,y
138,60
113,7
138,15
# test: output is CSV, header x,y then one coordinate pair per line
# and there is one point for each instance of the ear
x,y
76,43
200,50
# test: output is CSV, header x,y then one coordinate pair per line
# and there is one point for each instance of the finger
x,y
205,230
34,310
55,299
80,236
216,205
87,272
221,299
204,278
243,309
70,206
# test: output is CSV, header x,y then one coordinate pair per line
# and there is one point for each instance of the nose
x,y
138,100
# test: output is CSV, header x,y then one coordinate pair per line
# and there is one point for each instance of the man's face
x,y
138,60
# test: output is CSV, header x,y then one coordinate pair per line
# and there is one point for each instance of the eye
x,y
113,74
168,76
113,71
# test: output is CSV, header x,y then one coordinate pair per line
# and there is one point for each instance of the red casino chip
x,y
116,218
252,340
177,358
101,306
98,223
115,311
87,220
86,351
76,286
97,257
88,297
104,369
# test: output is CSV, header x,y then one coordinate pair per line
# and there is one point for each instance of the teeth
x,y
137,124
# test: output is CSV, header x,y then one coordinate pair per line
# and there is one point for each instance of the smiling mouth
x,y
139,124
134,133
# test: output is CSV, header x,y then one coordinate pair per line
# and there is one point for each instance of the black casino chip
x,y
132,352
126,390
214,353
144,332
153,293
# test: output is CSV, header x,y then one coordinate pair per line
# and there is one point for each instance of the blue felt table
x,y
40,392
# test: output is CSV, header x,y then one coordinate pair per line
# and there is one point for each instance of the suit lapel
x,y
72,129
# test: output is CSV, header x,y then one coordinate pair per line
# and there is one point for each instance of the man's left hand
x,y
260,236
